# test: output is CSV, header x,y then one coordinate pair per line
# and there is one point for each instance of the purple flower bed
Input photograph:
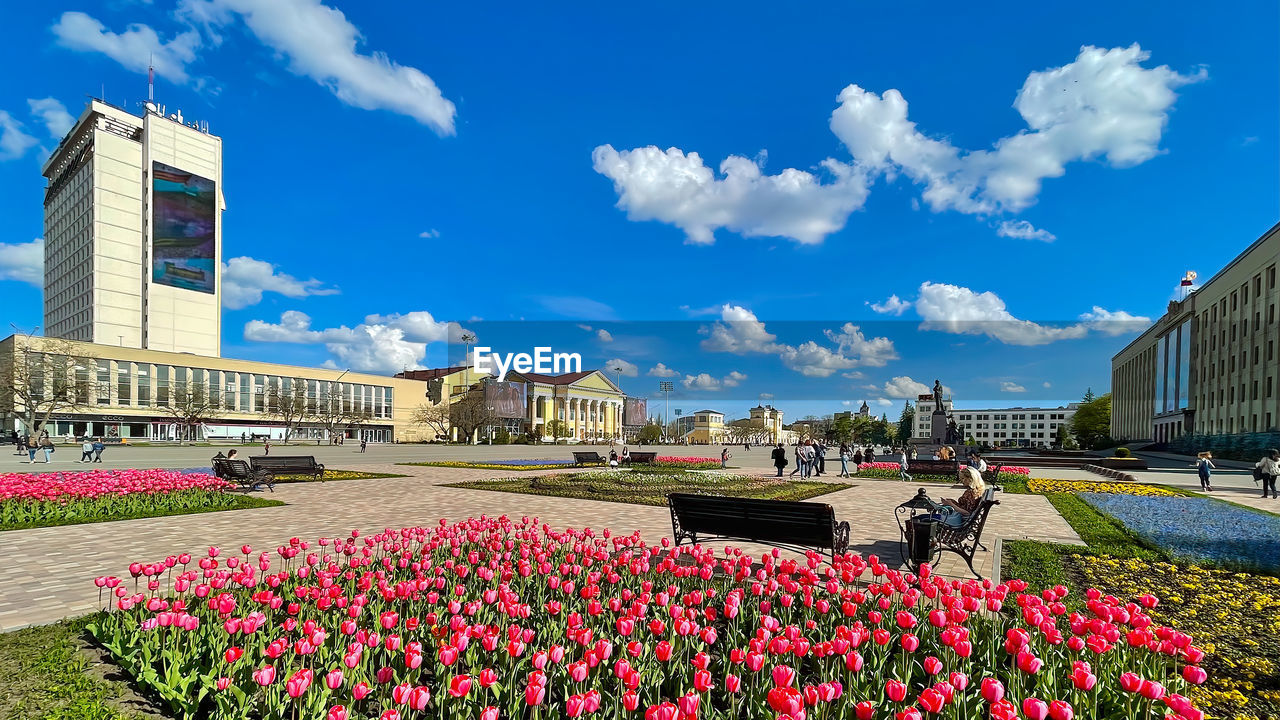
x,y
1198,529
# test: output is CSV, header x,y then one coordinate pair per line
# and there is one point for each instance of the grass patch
x,y
652,488
490,466
48,674
214,502
330,475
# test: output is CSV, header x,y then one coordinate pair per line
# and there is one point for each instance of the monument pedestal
x,y
938,428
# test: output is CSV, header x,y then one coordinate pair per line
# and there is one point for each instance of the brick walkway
x,y
46,574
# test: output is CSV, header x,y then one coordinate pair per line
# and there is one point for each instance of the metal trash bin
x,y
920,532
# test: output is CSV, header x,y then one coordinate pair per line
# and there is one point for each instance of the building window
x,y
144,384
122,383
162,385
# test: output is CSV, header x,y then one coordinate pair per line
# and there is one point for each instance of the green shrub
x,y
1123,452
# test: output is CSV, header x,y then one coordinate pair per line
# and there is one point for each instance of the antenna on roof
x,y
151,79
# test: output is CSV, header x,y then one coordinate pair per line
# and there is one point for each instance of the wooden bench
x,y
588,458
643,458
949,467
797,526
289,465
965,538
242,474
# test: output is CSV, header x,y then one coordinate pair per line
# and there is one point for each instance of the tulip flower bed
x,y
1235,615
492,618
45,499
1045,486
497,464
336,475
893,471
685,463
651,487
1198,529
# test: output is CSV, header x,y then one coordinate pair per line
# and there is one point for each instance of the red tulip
x,y
783,676
489,713
702,681
360,690
1060,710
1130,682
460,685
535,694
630,700
932,700
688,705
896,691
1035,709
732,683
864,710
265,675
1194,674
419,697
337,712
932,665
992,690
1152,690
785,700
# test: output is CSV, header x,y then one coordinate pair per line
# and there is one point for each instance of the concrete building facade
x,y
133,232
1210,365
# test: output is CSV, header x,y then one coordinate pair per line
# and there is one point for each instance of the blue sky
x,y
1041,171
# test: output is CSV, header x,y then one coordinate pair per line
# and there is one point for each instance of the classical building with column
x,y
588,403
1210,365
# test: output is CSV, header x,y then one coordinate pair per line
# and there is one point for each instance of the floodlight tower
x,y
665,387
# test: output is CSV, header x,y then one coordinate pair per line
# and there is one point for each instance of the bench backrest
x,y
979,515
770,521
587,456
644,457
231,469
945,467
283,461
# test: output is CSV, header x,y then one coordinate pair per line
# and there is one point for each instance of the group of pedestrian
x,y
91,450
854,453
1265,472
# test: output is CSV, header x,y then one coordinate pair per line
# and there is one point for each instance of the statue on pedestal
x,y
953,433
937,396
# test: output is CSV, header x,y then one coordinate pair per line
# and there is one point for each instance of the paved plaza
x,y
47,573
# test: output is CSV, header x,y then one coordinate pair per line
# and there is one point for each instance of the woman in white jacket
x,y
1269,466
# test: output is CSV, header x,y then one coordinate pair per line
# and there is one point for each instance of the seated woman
x,y
968,502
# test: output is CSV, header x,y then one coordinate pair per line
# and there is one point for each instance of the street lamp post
x,y
665,387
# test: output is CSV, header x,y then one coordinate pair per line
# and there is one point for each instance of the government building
x,y
1209,365
1004,427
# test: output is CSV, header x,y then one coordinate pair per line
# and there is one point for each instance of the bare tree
x,y
40,377
435,417
469,414
190,404
329,412
287,404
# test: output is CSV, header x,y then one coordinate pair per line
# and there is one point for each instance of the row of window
x,y
111,383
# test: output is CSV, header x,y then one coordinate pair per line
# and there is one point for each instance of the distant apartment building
x,y
704,427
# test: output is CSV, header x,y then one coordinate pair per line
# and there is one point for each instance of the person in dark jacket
x,y
98,447
779,455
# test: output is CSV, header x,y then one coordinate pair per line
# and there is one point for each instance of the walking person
x,y
724,458
902,466
86,450
870,455
857,458
266,446
807,456
1269,466
779,456
98,447
1204,463
844,460
47,446
364,442
31,449
799,459
22,441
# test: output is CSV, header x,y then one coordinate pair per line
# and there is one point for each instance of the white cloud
x,y
1102,106
1114,323
1047,384
701,381
846,403
1023,230
740,332
903,386
53,114
679,189
766,396
23,262
14,141
866,352
962,311
734,379
661,370
1011,387
429,234
884,402
893,306
604,335
133,48
320,43
628,369
244,279
381,344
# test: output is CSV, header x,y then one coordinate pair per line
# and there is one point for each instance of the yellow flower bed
x,y
1234,618
1048,485
490,466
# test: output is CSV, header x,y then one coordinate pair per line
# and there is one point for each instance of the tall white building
x,y
133,232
